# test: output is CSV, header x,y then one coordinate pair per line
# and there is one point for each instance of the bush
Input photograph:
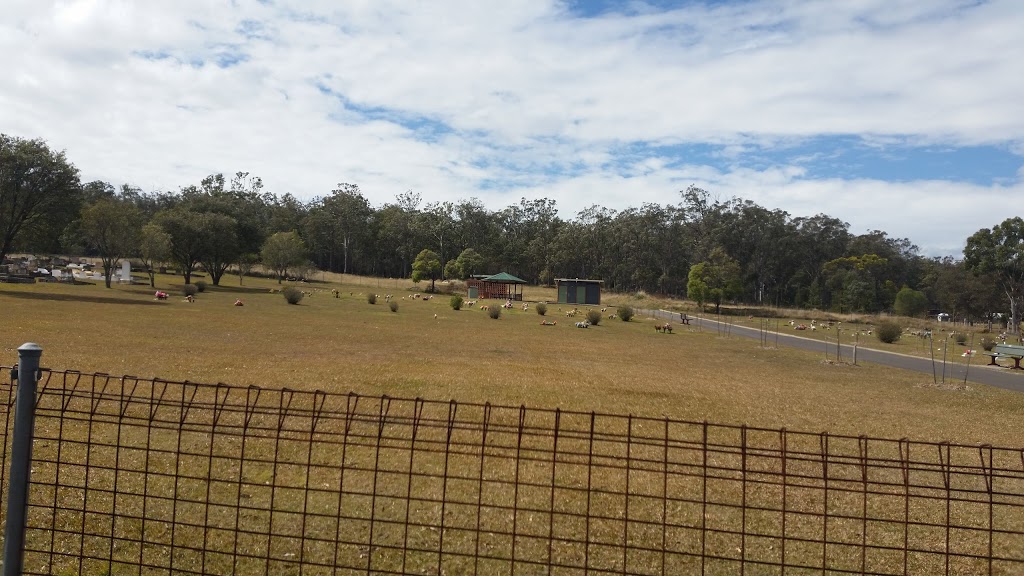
x,y
888,332
292,294
625,313
542,309
494,312
960,338
987,343
455,302
200,285
594,317
190,289
393,305
371,298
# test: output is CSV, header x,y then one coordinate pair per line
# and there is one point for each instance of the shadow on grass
x,y
240,289
79,298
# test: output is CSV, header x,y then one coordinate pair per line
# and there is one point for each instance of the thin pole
x,y
21,458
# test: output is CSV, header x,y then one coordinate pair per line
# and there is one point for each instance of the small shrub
x,y
494,312
371,298
594,317
640,295
455,302
292,294
960,338
190,289
201,285
888,332
625,313
393,305
542,309
988,343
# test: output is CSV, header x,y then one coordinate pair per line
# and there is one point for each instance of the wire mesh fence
x,y
139,476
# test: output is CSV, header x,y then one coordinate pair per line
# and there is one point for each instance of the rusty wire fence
x,y
139,476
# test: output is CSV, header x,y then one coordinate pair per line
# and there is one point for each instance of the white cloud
x,y
536,101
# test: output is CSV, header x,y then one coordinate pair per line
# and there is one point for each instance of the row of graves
x,y
32,269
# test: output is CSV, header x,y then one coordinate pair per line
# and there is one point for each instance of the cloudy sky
x,y
900,115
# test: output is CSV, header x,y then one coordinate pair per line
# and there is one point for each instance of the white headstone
x,y
126,272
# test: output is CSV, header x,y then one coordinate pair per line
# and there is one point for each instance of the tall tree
x,y
36,184
112,227
1000,250
282,251
426,265
351,212
154,247
469,262
910,302
220,247
184,228
437,222
714,280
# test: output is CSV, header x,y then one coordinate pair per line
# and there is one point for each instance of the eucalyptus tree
x,y
111,226
1000,251
436,223
154,247
220,246
336,225
283,251
184,230
40,193
818,239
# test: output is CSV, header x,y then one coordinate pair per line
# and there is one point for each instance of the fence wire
x,y
140,476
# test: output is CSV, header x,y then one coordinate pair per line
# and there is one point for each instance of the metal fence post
x,y
21,458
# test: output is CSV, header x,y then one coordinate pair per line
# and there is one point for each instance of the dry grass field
x,y
427,349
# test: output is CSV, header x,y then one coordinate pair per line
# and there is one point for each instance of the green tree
x,y
852,281
469,262
1000,251
910,302
112,227
696,286
184,228
154,247
714,280
283,250
246,262
36,184
220,247
426,265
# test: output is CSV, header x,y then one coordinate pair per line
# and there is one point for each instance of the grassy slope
x,y
346,344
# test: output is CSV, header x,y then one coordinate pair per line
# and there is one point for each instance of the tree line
x,y
703,247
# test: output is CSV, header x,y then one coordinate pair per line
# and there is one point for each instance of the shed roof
x,y
505,278
589,281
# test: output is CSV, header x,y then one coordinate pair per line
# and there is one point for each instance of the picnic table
x,y
1015,352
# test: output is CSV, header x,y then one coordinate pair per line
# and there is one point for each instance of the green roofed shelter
x,y
502,286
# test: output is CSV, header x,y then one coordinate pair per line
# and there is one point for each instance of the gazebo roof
x,y
504,278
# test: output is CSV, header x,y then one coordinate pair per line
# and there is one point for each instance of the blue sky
x,y
898,115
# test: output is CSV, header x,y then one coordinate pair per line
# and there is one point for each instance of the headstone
x,y
126,272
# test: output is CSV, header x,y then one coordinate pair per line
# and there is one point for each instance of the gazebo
x,y
502,286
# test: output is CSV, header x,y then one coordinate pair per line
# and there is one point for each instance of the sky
x,y
905,116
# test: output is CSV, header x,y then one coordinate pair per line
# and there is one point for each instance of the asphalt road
x,y
979,372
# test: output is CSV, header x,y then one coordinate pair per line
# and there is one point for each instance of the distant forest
x,y
701,247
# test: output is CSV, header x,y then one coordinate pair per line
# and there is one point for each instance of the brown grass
x,y
343,344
